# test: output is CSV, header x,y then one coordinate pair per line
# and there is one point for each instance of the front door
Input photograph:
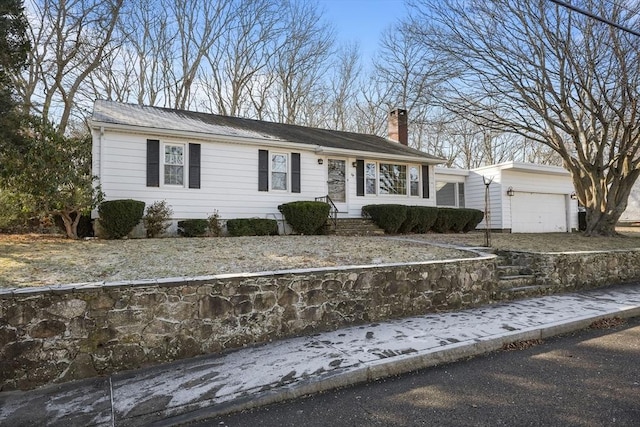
x,y
337,182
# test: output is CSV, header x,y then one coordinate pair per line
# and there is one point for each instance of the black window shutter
x,y
425,181
263,170
360,177
295,172
194,165
153,163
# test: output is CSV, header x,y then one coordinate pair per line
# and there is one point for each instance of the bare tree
x,y
411,76
242,56
70,39
300,61
555,77
343,84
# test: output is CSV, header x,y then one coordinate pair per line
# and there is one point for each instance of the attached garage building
x,y
524,197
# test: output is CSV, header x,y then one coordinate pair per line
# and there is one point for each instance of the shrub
x,y
85,225
387,217
215,229
476,217
411,221
442,223
193,227
119,217
306,217
157,217
426,217
459,218
252,227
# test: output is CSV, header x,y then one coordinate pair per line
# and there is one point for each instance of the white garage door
x,y
538,213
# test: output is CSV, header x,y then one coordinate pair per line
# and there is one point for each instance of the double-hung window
x,y
450,194
279,171
370,178
174,164
414,181
393,179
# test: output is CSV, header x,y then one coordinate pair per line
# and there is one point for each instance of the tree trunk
x,y
70,224
601,223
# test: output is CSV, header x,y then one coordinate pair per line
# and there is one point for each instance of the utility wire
x,y
596,17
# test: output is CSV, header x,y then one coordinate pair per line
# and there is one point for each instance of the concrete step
x,y
353,227
527,291
513,270
521,280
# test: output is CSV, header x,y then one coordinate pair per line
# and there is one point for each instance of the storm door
x,y
337,183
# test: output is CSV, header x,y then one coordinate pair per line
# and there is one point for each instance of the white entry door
x,y
337,182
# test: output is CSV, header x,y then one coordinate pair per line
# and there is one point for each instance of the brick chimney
x,y
398,126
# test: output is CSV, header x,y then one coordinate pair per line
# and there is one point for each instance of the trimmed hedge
x,y
193,227
119,217
476,217
388,217
426,218
252,227
306,217
422,219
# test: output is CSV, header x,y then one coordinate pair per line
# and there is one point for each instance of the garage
x,y
538,213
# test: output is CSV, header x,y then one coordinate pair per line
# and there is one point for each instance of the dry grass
x,y
35,260
44,260
548,242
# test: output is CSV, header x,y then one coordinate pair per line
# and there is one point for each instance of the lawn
x,y
36,260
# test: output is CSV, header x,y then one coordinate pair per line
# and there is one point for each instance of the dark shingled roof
x,y
110,112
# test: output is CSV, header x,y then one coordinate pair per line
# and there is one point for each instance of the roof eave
x,y
208,137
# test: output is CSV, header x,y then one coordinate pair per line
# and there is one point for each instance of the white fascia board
x,y
204,137
440,170
524,167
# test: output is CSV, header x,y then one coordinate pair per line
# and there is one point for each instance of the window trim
x,y
456,194
287,173
185,165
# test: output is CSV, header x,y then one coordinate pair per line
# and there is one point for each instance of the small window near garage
x,y
393,179
370,178
279,169
414,181
174,164
450,194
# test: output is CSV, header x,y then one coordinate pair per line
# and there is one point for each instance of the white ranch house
x,y
201,163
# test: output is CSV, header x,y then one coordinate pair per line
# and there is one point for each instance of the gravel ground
x,y
45,260
40,260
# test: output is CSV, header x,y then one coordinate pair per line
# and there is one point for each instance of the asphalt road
x,y
587,378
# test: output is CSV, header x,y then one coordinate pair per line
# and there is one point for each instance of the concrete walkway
x,y
198,388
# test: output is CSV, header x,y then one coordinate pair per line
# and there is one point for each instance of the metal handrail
x,y
333,210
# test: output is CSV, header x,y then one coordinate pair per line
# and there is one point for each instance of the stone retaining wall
x,y
64,333
579,270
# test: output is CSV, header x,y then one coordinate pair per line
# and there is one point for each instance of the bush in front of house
x,y
215,228
252,227
306,217
476,217
425,218
119,217
459,218
411,221
157,217
442,223
193,227
387,217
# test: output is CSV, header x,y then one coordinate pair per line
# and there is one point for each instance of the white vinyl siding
x,y
229,181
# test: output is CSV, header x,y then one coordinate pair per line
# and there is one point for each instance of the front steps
x,y
517,281
353,227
